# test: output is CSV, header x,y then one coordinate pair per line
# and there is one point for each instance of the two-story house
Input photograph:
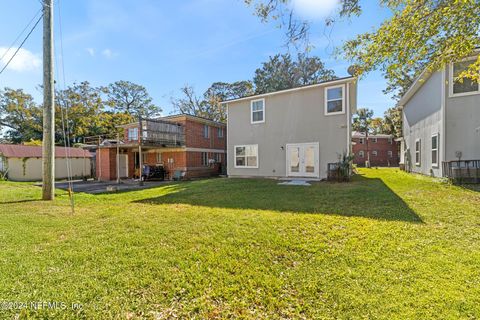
x,y
380,149
441,123
291,133
188,144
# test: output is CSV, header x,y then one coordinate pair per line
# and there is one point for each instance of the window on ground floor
x,y
159,157
418,152
435,150
361,154
374,153
246,156
390,154
204,159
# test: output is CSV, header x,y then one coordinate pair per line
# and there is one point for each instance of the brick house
x,y
382,148
191,145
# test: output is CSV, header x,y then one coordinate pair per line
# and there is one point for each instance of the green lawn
x,y
388,245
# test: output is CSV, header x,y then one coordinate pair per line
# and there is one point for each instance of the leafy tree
x,y
281,72
393,122
209,106
130,98
362,121
20,116
420,34
377,125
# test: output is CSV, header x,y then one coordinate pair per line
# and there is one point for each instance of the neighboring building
x,y
383,149
24,163
441,122
190,145
291,133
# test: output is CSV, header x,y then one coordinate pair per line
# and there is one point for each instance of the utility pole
x,y
48,145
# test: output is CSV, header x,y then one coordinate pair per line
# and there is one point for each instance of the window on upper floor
x,y
206,131
257,110
361,141
435,150
246,156
132,134
390,140
220,132
418,151
462,86
374,140
335,100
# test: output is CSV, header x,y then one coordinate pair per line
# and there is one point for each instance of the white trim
x,y
204,150
326,83
227,160
451,81
435,164
418,164
444,112
325,92
316,173
235,156
349,139
251,111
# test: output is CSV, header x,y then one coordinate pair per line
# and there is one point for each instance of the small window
x,y
257,109
361,154
435,150
220,132
217,157
334,100
206,131
418,153
246,156
462,86
390,140
132,134
374,140
361,141
375,153
159,157
204,159
390,154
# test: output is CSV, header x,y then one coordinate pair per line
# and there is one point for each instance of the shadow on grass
x,y
19,201
363,197
472,187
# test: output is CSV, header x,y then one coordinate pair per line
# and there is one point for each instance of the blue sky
x,y
164,45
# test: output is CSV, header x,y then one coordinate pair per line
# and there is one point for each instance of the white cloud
x,y
313,9
90,51
107,53
23,61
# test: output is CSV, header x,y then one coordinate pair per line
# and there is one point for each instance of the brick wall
x,y
194,135
382,146
106,164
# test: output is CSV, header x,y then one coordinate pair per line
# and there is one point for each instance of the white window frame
x,y
206,131
132,137
204,156
251,111
361,141
220,132
235,156
375,153
361,154
451,81
390,153
326,100
159,157
419,151
436,163
390,140
374,140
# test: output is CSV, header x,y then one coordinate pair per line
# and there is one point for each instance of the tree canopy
x,y
420,34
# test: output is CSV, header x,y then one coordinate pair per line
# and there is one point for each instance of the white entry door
x,y
123,165
302,160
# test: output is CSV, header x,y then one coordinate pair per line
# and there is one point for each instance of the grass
x,y
389,245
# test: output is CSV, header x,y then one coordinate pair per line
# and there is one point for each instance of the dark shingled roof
x,y
21,151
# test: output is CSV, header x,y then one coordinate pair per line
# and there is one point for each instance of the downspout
x,y
443,135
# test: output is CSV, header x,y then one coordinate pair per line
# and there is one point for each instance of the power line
x,y
21,44
18,37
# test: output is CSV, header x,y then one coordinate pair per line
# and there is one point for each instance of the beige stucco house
x,y
441,123
24,163
291,133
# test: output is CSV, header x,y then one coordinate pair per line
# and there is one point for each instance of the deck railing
x,y
462,171
157,132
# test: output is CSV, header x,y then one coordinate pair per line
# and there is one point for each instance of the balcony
x,y
462,171
162,133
